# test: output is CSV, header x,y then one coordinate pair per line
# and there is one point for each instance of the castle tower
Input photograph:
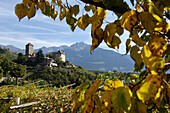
x,y
29,49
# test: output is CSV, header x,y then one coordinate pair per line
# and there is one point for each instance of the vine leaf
x,y
31,11
54,14
150,88
110,85
147,21
135,55
118,100
128,20
135,38
153,63
21,10
75,9
78,96
109,35
128,45
92,89
97,37
83,21
87,8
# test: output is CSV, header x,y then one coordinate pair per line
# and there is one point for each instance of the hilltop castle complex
x,y
29,52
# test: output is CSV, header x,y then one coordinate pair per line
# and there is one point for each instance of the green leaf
x,y
21,11
121,99
145,37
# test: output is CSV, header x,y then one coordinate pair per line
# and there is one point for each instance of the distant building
x,y
29,50
49,62
59,54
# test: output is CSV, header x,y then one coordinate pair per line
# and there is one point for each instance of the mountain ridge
x,y
79,54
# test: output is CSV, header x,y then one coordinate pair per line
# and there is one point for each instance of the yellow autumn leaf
x,y
54,14
97,37
135,55
106,97
153,63
93,8
62,14
138,107
59,2
89,105
120,30
31,11
83,21
162,26
168,95
21,11
148,21
27,2
75,9
92,89
78,96
42,7
101,13
128,20
128,45
135,38
98,104
87,8
110,31
149,88
110,85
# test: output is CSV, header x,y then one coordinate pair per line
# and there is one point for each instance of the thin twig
x,y
166,82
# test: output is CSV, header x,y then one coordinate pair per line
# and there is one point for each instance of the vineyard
x,y
51,100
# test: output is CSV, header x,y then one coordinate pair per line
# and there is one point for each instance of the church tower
x,y
29,49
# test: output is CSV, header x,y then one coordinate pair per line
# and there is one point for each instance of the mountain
x,y
79,54
13,48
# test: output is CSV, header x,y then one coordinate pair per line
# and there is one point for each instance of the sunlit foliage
x,y
147,23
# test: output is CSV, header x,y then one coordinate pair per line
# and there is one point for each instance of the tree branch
x,y
117,9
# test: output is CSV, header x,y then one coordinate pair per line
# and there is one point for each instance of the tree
x,y
1,72
21,58
5,63
18,71
147,24
40,56
49,55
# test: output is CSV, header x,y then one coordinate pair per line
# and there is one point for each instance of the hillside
x,y
79,54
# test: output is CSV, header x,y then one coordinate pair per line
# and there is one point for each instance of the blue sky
x,y
42,30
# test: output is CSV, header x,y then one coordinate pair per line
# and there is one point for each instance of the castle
x,y
29,52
